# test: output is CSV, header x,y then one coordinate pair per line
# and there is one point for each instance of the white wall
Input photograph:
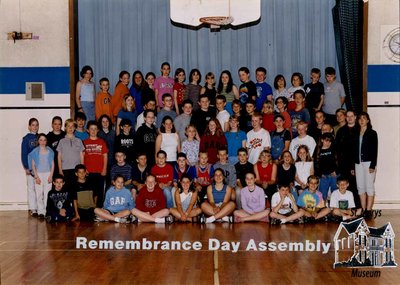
x,y
384,16
47,19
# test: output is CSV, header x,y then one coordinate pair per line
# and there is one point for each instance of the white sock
x,y
160,220
283,221
225,219
117,220
210,220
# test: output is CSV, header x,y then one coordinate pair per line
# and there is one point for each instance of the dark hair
x,y
165,63
150,74
279,116
251,101
148,111
245,69
142,84
328,136
104,79
162,127
283,185
366,115
41,135
192,72
181,154
161,152
316,70
122,73
92,123
56,118
80,115
301,92
191,187
165,95
342,178
177,71
221,85
277,78
330,71
300,76
261,69
125,122
31,120
80,166
284,100
221,97
108,119
58,176
118,176
85,69
187,101
242,149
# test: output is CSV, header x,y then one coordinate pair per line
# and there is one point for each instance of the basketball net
x,y
216,22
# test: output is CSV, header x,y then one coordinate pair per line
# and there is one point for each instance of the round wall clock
x,y
391,45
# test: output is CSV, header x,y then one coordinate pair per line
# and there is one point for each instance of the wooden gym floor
x,y
34,252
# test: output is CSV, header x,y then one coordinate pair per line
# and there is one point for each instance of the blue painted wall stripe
x,y
384,78
56,79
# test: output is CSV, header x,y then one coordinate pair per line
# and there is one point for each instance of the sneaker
x,y
283,221
33,213
98,219
134,219
48,219
41,216
123,221
202,219
169,219
275,221
300,220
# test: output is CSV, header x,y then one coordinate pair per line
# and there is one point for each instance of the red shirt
x,y
151,202
268,122
265,173
163,174
94,154
211,144
180,92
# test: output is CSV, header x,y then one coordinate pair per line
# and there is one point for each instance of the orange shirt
x,y
103,106
120,91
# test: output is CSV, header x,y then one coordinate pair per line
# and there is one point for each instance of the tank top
x,y
265,173
203,175
87,92
229,96
218,195
169,144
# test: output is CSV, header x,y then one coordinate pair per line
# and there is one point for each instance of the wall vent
x,y
34,90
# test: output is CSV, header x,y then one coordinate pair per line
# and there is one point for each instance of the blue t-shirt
x,y
118,200
310,201
81,135
263,90
296,117
131,116
234,141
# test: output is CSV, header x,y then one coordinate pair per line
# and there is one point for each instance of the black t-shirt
x,y
247,90
313,94
200,119
286,176
242,170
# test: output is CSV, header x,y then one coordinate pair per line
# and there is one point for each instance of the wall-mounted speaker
x,y
34,90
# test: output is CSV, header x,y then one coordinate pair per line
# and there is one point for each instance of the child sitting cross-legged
x,y
253,202
117,204
283,206
311,202
186,200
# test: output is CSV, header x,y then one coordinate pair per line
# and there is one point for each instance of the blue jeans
x,y
88,108
167,191
326,182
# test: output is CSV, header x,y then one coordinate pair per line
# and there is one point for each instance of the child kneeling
x,y
342,202
59,202
252,198
186,201
117,204
283,205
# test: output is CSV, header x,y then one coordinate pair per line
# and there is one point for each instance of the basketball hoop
x,y
216,22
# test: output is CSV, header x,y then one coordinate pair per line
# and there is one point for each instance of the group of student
x,y
164,150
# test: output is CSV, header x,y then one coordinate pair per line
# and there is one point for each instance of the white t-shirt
x,y
342,201
223,117
286,207
296,142
303,170
256,142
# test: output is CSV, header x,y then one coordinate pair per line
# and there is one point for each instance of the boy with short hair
x,y
151,204
117,204
125,141
29,142
222,114
164,174
182,167
342,202
150,105
95,157
183,120
247,90
54,137
264,90
314,92
167,110
121,167
139,173
146,136
228,168
302,139
202,116
204,174
103,100
311,201
83,195
299,113
59,203
80,132
258,139
250,108
242,168
283,206
334,97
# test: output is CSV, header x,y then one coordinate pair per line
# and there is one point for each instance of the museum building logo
x,y
359,246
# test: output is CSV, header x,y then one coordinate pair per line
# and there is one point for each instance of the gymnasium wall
x,y
43,59
384,101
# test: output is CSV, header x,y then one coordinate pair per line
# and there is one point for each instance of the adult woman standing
x,y
85,93
365,158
